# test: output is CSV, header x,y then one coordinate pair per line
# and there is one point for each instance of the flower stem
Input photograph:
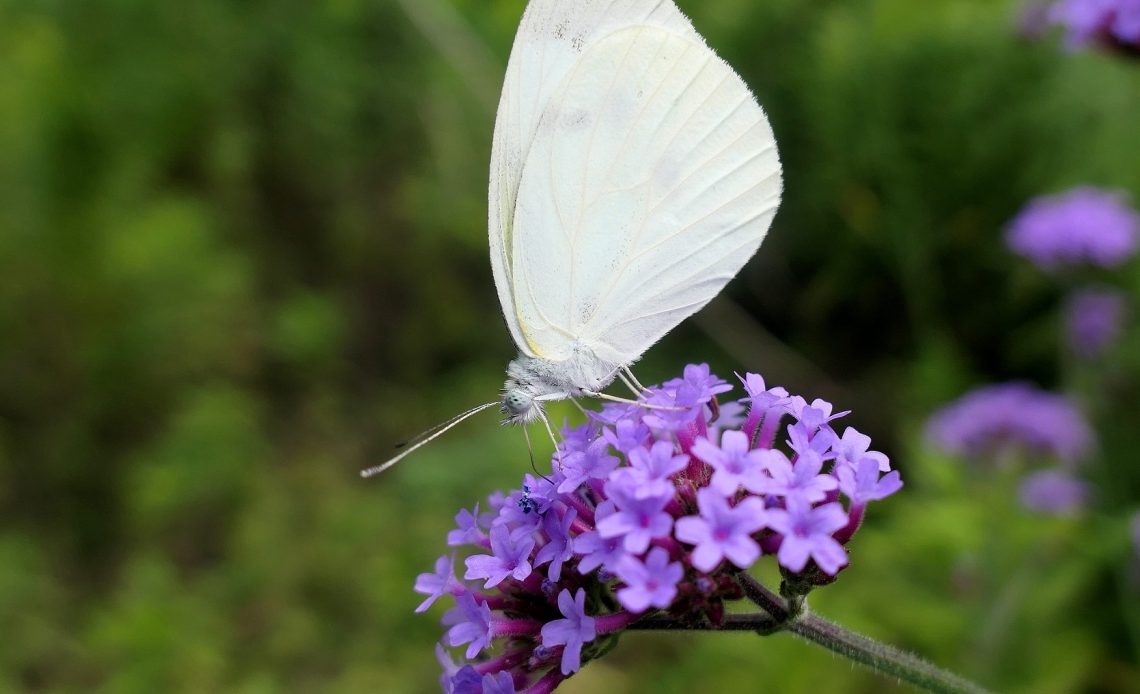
x,y
880,657
732,622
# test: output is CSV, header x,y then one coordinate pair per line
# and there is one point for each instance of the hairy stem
x,y
880,657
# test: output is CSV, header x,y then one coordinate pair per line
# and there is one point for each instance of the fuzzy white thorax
x,y
532,381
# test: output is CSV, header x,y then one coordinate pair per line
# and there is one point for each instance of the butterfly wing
x,y
549,43
649,180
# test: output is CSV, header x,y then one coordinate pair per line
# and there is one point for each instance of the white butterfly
x,y
632,176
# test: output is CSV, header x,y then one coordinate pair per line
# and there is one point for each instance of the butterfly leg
x,y
627,401
636,388
629,374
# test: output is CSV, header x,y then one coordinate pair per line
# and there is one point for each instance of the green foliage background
x,y
242,252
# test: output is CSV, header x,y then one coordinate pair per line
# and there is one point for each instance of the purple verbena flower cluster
x,y
649,507
1110,22
1084,225
992,420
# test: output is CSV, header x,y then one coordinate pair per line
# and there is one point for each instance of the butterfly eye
x,y
517,402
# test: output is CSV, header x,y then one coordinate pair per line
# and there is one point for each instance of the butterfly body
x,y
531,381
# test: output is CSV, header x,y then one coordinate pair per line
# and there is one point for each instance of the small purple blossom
x,y
815,415
596,550
759,395
558,547
627,435
723,532
470,623
466,680
734,465
1093,320
441,581
592,462
675,408
704,382
649,584
509,557
993,419
854,446
1053,492
862,483
573,631
1084,225
639,519
498,683
807,535
649,470
467,529
803,479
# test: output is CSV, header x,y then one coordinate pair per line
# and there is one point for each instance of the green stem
x,y
880,657
732,622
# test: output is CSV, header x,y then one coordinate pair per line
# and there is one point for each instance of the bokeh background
x,y
243,252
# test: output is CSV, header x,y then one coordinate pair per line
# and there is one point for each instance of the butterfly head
x,y
519,405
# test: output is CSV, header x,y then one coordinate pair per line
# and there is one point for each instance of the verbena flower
x,y
1111,22
1093,320
1082,226
1053,492
1011,417
568,561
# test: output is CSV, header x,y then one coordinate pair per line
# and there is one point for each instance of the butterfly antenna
x,y
553,438
426,438
530,452
445,423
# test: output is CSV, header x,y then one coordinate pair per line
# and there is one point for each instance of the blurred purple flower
x,y
992,419
498,683
573,631
1083,225
649,584
1053,492
1093,320
1089,21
